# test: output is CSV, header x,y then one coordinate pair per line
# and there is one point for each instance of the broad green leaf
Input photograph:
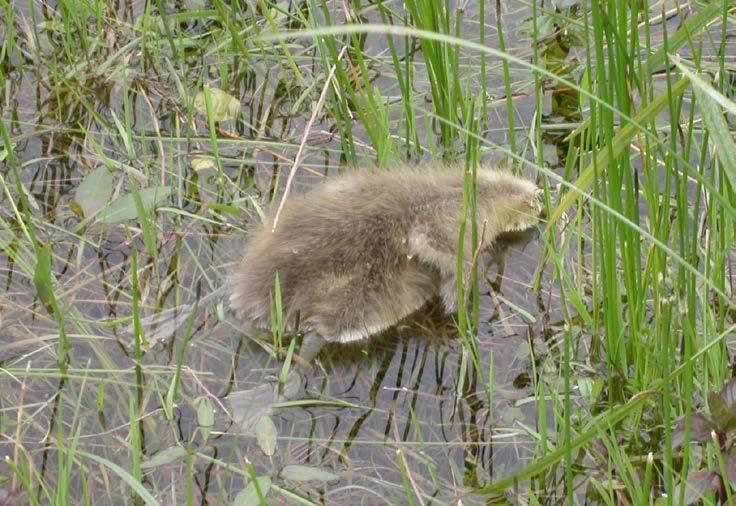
x,y
165,457
306,473
42,278
94,191
249,495
205,414
224,106
124,208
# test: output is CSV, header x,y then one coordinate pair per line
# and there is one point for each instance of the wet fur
x,y
365,250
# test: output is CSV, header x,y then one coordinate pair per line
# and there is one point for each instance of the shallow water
x,y
415,401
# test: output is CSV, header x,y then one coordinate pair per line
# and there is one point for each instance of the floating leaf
x,y
124,208
93,192
249,495
205,414
306,473
165,457
224,106
266,435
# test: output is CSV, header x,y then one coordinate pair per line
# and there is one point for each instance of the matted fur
x,y
364,250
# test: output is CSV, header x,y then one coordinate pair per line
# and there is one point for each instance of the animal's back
x,y
343,257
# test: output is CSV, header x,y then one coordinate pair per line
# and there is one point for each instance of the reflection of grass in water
x,y
616,315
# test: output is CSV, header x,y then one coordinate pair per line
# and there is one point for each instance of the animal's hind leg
x,y
311,346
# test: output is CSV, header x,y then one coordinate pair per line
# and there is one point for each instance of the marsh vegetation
x,y
141,142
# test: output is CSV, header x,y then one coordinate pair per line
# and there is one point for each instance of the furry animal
x,y
365,250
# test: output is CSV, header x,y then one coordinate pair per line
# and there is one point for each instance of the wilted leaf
x,y
728,393
266,435
697,485
306,473
205,414
724,416
731,467
701,426
124,208
224,106
94,191
249,496
165,457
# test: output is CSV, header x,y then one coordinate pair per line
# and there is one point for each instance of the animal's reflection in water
x,y
433,320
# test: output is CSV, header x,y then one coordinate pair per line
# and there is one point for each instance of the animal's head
x,y
513,203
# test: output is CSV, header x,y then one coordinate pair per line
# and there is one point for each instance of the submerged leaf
x,y
266,435
249,495
165,457
306,473
124,208
224,106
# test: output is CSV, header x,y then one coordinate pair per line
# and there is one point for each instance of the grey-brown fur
x,y
365,250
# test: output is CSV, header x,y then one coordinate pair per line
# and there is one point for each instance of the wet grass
x,y
141,142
